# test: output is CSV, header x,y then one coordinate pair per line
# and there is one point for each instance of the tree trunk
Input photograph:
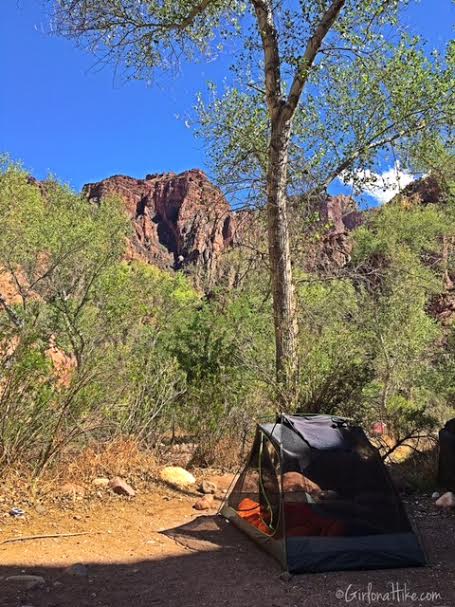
x,y
284,307
281,112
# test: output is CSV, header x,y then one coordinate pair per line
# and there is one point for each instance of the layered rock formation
x,y
178,219
427,190
341,215
183,220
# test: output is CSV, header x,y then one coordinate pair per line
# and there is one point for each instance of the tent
x,y
316,495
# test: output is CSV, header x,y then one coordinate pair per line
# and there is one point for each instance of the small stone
x,y
29,582
446,501
177,476
435,495
100,482
121,487
205,503
285,576
207,487
40,509
77,570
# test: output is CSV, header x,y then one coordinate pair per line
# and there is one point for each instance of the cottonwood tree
x,y
317,89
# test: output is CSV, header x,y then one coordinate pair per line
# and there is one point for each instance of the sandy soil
x,y
128,562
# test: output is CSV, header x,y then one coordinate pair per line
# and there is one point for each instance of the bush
x,y
94,348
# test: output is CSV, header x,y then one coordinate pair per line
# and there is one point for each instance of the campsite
x,y
227,303
126,558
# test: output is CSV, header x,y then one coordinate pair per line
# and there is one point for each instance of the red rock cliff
x,y
178,219
184,219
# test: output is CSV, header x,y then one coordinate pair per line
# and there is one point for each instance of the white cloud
x,y
381,186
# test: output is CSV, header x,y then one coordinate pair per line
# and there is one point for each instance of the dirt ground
x,y
128,562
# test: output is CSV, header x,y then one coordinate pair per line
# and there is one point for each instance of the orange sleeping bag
x,y
251,512
302,520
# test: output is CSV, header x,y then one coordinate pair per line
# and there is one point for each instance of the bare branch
x,y
125,20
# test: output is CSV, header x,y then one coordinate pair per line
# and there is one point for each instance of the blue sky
x,y
59,115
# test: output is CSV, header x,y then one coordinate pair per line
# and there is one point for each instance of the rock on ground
x,y
446,501
121,487
207,487
177,476
205,503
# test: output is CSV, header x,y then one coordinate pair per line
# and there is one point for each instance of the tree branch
x,y
79,9
370,145
269,36
311,50
11,313
195,12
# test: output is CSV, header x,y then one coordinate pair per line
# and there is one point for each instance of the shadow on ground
x,y
220,567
